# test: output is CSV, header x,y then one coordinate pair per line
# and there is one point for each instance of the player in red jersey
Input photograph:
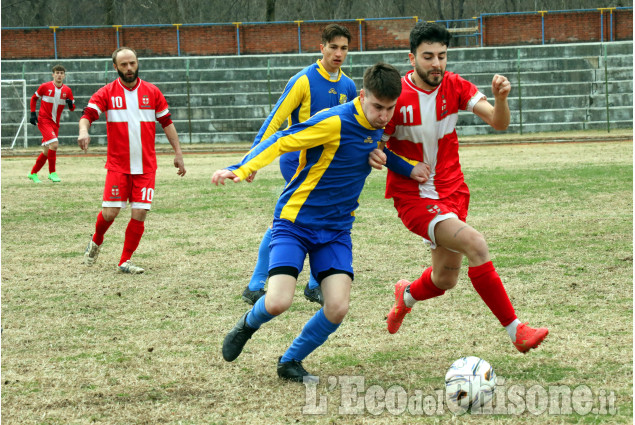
x,y
423,130
133,106
53,96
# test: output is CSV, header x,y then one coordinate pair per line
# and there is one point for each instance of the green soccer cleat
x,y
54,177
35,178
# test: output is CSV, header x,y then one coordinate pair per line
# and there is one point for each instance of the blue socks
x,y
315,332
258,314
312,282
261,271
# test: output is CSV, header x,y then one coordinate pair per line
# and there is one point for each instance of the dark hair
x,y
333,30
430,33
114,54
59,67
383,81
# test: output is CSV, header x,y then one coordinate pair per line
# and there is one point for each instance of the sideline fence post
x,y
299,36
520,97
269,82
189,103
55,39
178,39
117,29
542,19
606,91
361,39
237,36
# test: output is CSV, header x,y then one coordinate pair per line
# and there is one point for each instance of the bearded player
x,y
133,106
423,130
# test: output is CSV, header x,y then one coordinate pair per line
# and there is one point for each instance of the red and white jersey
x,y
52,100
423,129
131,116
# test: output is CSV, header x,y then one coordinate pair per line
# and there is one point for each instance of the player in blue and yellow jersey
x,y
315,212
318,86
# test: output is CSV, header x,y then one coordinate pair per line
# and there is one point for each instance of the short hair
x,y
428,32
59,67
333,30
383,81
116,52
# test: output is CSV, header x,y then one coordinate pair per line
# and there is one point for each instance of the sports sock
x,y
312,282
422,289
100,228
134,231
52,159
315,332
258,314
490,287
39,163
261,271
511,329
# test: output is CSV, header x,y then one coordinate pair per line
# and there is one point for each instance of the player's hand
x,y
83,140
420,172
178,163
377,158
501,86
251,177
220,176
33,119
69,103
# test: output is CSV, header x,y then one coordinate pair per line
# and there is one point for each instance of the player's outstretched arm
x,y
84,138
497,116
220,176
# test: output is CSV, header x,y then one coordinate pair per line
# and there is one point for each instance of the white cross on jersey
x,y
56,100
134,116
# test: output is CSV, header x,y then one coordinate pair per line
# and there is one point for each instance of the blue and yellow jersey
x,y
307,92
334,147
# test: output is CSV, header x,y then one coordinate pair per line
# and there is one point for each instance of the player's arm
x,y
173,138
70,100
84,138
33,106
497,116
97,103
415,170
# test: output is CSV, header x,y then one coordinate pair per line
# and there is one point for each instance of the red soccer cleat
x,y
528,338
399,310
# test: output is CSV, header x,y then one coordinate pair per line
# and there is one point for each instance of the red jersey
x,y
52,101
131,116
423,129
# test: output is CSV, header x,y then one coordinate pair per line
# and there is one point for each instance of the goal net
x,y
13,113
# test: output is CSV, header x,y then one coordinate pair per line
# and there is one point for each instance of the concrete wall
x,y
226,98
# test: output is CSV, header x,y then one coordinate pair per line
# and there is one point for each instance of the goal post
x,y
14,108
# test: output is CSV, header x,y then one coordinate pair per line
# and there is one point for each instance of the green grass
x,y
86,345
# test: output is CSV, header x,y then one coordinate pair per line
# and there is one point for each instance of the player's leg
x,y
287,259
39,161
52,160
256,287
141,196
333,262
459,236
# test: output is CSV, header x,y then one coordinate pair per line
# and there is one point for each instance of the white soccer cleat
x,y
130,268
91,253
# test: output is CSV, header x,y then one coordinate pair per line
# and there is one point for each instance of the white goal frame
x,y
23,125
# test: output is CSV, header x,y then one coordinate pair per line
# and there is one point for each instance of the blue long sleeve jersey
x,y
307,92
334,147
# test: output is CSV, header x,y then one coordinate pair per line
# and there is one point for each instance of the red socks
x,y
423,288
490,287
134,231
52,158
100,228
39,163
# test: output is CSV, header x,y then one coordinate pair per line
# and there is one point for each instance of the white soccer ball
x,y
469,383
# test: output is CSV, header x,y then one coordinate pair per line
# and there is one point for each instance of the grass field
x,y
85,345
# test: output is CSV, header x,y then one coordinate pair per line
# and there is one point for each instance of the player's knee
x,y
277,305
446,282
109,214
476,247
336,311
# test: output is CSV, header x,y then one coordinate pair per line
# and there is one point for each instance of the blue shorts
x,y
329,250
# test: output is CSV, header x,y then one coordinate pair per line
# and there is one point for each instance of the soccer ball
x,y
469,383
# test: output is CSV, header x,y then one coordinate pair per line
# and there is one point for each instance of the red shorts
x,y
136,188
421,215
49,130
